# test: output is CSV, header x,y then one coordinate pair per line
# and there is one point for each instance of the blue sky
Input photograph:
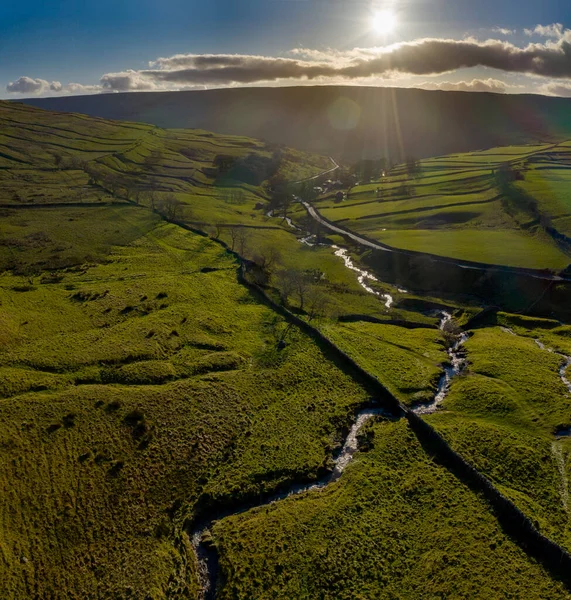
x,y
81,41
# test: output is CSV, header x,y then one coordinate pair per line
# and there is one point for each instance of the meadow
x,y
390,529
456,207
127,390
141,385
504,413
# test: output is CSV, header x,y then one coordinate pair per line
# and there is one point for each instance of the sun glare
x,y
384,21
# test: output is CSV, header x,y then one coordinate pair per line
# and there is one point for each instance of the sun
x,y
384,21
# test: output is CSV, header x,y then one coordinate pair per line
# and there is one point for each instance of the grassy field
x,y
503,415
407,361
389,529
127,390
455,207
140,382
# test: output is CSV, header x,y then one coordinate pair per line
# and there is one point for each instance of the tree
x,y
242,240
58,159
316,303
233,196
239,237
268,260
292,282
171,208
223,163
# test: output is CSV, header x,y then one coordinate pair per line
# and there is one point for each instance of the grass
x,y
509,248
456,209
502,416
133,378
139,381
388,529
408,362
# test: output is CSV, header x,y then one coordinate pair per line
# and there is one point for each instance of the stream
x,y
206,555
563,368
364,276
207,560
288,220
456,366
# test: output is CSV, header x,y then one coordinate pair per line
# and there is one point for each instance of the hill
x,y
160,370
348,123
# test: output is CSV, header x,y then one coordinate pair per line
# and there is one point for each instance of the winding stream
x,y
364,276
207,560
455,367
206,554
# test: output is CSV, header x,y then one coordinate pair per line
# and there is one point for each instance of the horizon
x,y
25,99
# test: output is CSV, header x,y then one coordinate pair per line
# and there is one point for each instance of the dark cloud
x,y
422,57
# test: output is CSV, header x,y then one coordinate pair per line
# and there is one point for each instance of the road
x,y
314,213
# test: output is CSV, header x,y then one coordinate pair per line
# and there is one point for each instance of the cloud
x,y
27,85
556,88
555,30
476,85
421,57
503,30
127,81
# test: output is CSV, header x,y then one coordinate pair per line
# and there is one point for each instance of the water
x,y
563,368
288,220
563,372
207,567
364,276
456,366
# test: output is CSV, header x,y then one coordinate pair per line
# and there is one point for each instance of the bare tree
x,y
268,260
264,266
292,282
239,237
233,237
233,196
242,239
317,302
171,208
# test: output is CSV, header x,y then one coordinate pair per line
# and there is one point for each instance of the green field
x,y
131,378
143,386
391,529
456,208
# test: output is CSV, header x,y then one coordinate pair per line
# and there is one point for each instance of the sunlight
x,y
384,21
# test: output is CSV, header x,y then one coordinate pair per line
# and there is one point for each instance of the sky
x,y
63,47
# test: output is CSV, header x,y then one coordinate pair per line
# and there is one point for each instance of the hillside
x,y
346,122
466,207
199,400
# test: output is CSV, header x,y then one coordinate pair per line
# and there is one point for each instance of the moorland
x,y
162,358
